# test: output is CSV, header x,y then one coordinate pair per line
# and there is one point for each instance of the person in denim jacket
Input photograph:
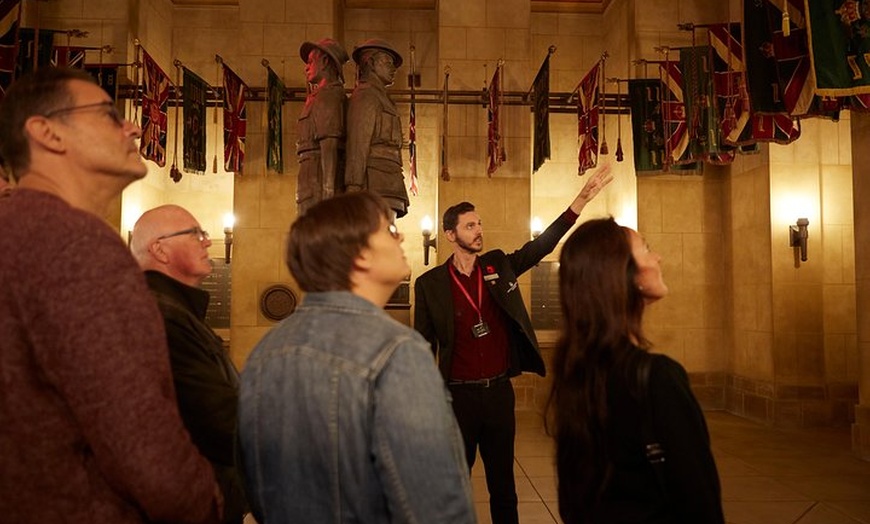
x,y
343,415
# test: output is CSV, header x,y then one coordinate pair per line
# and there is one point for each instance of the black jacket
x,y
433,311
206,383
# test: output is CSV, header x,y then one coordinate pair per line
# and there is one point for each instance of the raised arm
x,y
597,181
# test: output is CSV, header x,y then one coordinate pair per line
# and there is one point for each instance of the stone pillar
x,y
861,193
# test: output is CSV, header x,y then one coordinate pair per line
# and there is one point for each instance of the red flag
x,y
68,56
155,99
587,119
495,142
412,144
235,123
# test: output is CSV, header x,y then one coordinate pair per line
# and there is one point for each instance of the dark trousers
x,y
487,421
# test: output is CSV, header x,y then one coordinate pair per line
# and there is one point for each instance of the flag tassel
x,y
786,21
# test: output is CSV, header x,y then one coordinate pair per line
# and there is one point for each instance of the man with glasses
x,y
172,249
374,132
90,429
343,417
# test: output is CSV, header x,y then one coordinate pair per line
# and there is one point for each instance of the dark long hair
x,y
602,313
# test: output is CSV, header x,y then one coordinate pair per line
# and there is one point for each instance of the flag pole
x,y
445,173
219,61
412,124
174,173
604,148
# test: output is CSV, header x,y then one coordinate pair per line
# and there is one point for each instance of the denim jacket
x,y
345,418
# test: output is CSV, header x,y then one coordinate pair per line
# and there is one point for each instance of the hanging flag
x,y
412,143
674,122
106,76
193,91
34,49
68,56
771,121
541,105
10,18
646,124
445,173
839,35
587,119
495,152
275,131
705,141
155,101
235,122
731,97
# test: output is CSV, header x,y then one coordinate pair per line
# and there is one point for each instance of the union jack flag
x,y
155,99
68,56
731,96
235,122
587,119
674,115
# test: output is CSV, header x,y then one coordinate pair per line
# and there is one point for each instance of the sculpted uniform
x,y
374,133
322,117
374,149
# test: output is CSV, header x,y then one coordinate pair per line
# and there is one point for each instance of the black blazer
x,y
433,301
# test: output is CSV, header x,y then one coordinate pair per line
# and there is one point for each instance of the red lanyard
x,y
477,306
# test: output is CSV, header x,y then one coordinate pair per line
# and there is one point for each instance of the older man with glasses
x,y
90,431
172,249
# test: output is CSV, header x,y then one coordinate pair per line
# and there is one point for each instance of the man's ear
x,y
41,131
158,253
451,235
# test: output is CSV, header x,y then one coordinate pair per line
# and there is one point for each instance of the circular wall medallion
x,y
277,302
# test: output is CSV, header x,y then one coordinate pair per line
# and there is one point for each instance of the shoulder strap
x,y
653,449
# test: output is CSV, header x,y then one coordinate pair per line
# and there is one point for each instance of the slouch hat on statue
x,y
329,46
377,43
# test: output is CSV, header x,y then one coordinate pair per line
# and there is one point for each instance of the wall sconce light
x,y
426,225
229,222
537,227
798,236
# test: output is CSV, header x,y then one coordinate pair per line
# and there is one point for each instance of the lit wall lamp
x,y
798,236
537,227
229,222
426,225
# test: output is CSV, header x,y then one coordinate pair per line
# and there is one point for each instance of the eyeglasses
x,y
201,234
394,231
111,111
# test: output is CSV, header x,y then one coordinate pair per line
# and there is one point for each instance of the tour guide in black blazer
x,y
484,405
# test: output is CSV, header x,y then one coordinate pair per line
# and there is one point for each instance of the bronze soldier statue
x,y
321,128
374,132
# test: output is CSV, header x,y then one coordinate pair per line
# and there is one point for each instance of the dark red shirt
x,y
484,357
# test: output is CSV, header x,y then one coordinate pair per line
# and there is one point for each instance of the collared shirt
x,y
487,356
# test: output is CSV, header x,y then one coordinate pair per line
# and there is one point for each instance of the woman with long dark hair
x,y
631,442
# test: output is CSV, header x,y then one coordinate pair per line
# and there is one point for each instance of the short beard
x,y
469,248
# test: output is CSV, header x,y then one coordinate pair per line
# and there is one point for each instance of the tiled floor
x,y
769,476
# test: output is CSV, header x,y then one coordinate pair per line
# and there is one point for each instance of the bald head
x,y
170,240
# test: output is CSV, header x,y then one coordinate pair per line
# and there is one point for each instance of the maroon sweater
x,y
89,426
